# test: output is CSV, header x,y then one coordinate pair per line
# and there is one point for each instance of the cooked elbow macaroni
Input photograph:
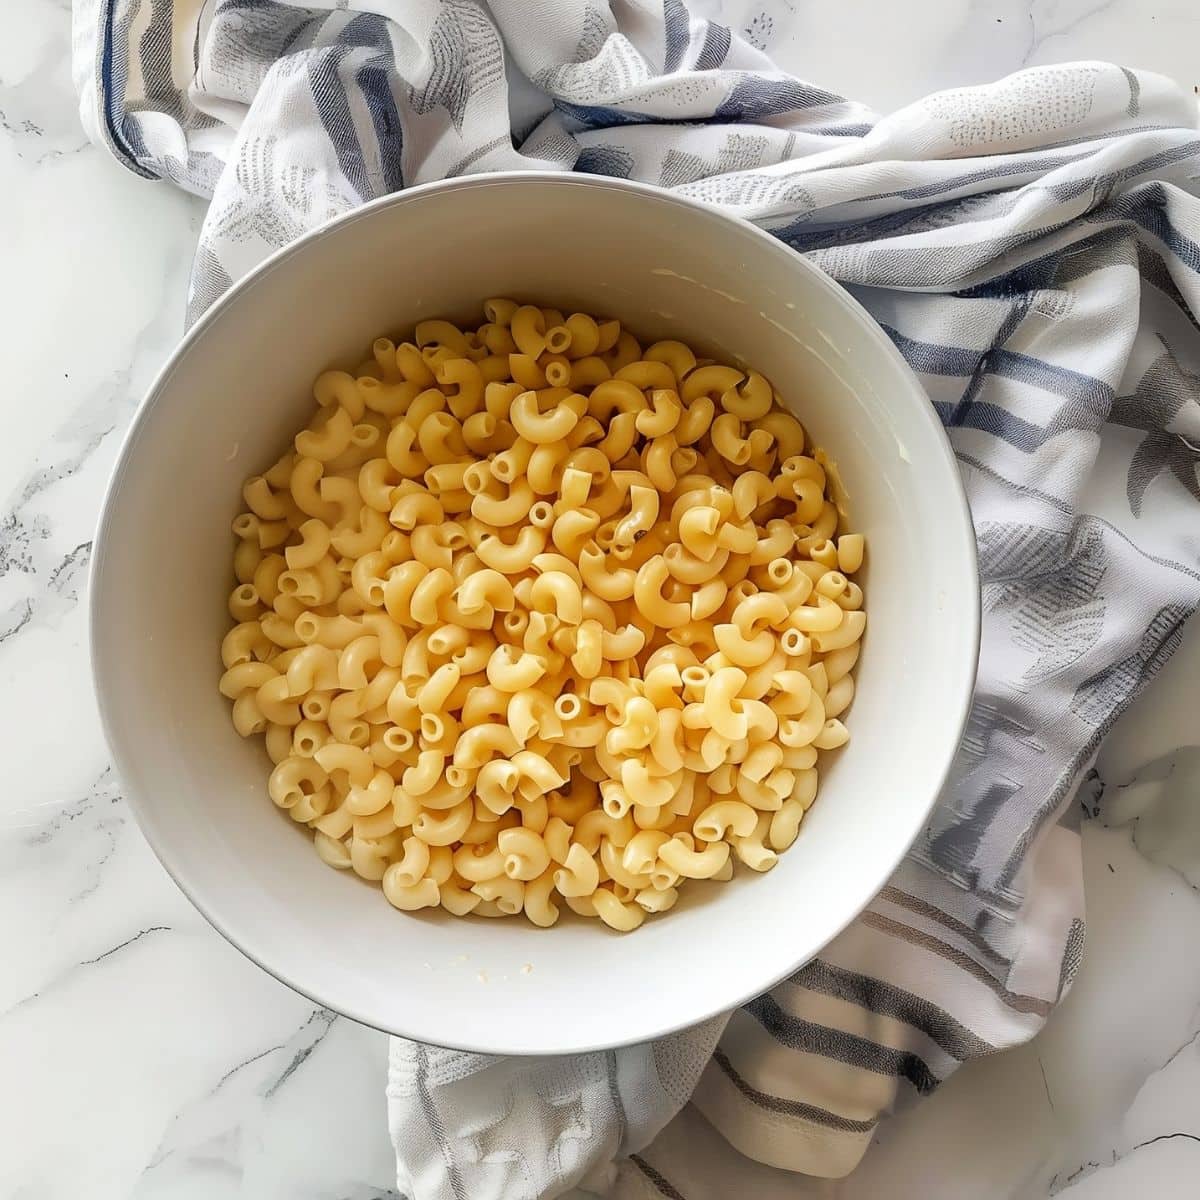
x,y
533,616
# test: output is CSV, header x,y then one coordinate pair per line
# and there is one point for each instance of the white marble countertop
x,y
143,1056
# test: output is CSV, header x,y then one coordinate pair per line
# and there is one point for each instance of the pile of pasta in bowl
x,y
534,615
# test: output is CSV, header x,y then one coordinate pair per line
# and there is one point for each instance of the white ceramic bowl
x,y
225,406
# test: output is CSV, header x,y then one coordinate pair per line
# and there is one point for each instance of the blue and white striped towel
x,y
1033,248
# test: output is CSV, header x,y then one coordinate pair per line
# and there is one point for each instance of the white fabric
x,y
1032,247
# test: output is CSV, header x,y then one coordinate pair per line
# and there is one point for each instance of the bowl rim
x,y
957,527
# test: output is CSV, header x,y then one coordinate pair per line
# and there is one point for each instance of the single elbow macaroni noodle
x,y
534,617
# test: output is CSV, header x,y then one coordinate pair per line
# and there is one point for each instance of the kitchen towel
x,y
1033,249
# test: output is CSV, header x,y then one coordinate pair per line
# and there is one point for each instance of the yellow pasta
x,y
530,615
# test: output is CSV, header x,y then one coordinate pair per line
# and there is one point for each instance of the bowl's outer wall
x,y
225,408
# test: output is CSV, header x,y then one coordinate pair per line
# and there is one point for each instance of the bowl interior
x,y
225,408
